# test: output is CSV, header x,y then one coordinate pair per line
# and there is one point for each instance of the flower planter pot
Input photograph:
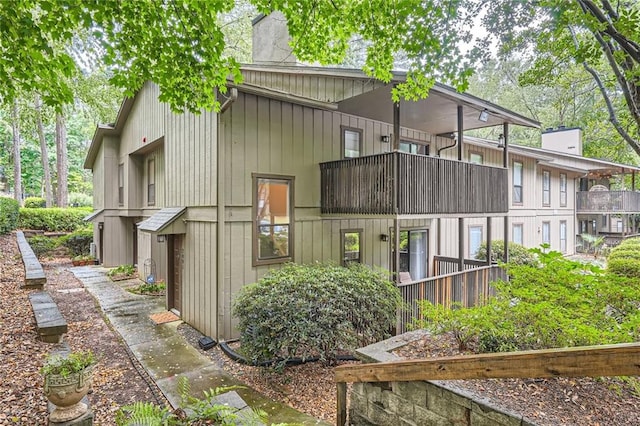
x,y
66,394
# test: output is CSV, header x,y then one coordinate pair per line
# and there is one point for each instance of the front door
x,y
176,266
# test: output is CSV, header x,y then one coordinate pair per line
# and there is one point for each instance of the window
x,y
546,232
604,221
517,232
273,212
475,240
414,255
563,189
584,226
475,158
546,188
563,236
121,184
351,142
351,246
151,182
413,147
517,182
619,226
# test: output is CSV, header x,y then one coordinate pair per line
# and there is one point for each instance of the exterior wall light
x,y
384,138
384,237
160,238
501,141
484,115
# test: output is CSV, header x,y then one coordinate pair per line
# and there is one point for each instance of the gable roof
x,y
161,219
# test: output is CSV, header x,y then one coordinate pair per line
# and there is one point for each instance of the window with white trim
x,y
517,232
475,240
546,232
563,236
517,182
563,189
351,142
546,188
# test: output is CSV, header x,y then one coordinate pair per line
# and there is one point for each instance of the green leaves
x,y
314,310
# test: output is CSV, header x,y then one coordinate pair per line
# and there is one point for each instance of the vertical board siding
x,y
190,147
199,299
319,87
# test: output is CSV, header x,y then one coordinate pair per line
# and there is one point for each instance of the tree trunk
x,y
61,160
17,166
44,154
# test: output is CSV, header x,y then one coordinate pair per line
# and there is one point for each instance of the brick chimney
x,y
563,139
271,40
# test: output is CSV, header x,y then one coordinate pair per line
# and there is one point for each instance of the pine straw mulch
x,y
552,402
117,380
308,388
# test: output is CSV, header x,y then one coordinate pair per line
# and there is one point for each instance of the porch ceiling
x,y
437,114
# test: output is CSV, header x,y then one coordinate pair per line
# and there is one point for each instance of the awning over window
x,y
162,221
94,215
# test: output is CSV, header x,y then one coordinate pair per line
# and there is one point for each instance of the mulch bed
x,y
118,379
552,402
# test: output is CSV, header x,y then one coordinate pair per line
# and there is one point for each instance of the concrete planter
x,y
66,394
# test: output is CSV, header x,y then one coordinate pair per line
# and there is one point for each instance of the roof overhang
x,y
96,215
165,221
103,130
436,114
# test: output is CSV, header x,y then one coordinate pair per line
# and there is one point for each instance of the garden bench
x,y
50,324
33,273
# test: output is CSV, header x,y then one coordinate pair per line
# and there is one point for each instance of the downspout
x,y
220,187
455,143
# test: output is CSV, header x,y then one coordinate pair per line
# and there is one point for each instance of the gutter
x,y
221,207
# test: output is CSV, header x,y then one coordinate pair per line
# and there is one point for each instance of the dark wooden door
x,y
177,266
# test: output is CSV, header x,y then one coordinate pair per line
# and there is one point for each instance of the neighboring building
x,y
312,164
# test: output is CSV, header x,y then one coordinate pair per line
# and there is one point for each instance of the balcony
x,y
608,202
397,183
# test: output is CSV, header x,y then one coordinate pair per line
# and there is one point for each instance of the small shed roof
x,y
161,220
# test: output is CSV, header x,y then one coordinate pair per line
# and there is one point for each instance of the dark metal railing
x,y
467,288
401,183
608,201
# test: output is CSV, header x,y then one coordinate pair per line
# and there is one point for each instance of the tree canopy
x,y
181,45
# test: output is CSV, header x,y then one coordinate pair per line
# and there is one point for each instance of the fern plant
x,y
192,411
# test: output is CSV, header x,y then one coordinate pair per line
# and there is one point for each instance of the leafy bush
x,y
64,366
518,254
560,303
624,260
122,270
35,203
78,242
9,212
53,219
314,310
42,245
191,411
78,199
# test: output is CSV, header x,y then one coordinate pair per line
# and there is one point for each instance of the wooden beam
x,y
587,361
341,408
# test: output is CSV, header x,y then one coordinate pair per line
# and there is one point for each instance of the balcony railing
x,y
401,183
608,202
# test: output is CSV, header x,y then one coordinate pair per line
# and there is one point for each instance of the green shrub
x,y
560,303
122,270
9,213
42,245
78,242
624,260
625,267
53,219
518,254
35,203
314,310
78,199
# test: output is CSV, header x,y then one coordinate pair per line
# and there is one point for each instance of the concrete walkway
x,y
164,353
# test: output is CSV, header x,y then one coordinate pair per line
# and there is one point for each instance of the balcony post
x,y
505,164
489,245
460,244
460,131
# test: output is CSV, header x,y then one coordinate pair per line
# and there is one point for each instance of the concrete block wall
x,y
422,403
